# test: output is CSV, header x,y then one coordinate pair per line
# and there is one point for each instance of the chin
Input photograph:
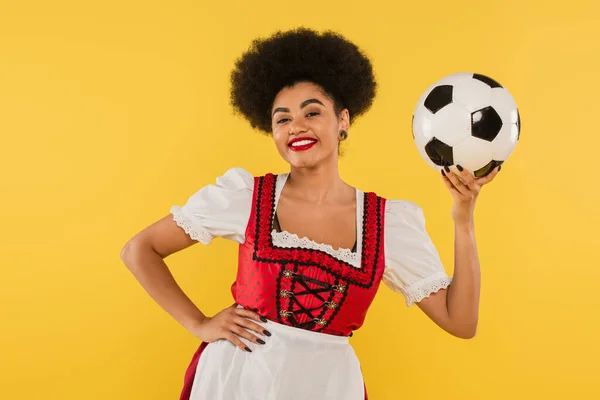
x,y
303,163
305,160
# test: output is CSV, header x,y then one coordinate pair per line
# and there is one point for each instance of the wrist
x,y
195,323
463,217
464,225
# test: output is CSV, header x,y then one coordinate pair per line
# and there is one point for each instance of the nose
x,y
296,127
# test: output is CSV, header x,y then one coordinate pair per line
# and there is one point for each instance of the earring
x,y
343,135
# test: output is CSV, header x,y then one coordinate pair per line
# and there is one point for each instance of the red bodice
x,y
307,288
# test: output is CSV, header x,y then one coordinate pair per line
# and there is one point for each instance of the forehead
x,y
294,95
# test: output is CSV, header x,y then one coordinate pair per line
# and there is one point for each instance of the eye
x,y
282,120
312,114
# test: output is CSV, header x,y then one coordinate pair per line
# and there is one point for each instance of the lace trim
x,y
197,233
291,240
372,247
426,287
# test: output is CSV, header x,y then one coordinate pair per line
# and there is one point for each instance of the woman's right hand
x,y
231,324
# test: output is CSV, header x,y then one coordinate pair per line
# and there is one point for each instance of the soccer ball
x,y
466,119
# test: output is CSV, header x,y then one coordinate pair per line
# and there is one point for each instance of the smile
x,y
302,144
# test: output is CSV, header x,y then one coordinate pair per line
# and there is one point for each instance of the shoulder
x,y
400,205
236,178
241,173
402,213
219,209
398,212
396,207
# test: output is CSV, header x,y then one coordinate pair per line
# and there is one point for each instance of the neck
x,y
320,184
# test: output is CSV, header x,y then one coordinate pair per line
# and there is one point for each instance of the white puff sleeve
x,y
413,266
218,210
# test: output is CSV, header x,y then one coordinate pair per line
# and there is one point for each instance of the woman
x,y
312,249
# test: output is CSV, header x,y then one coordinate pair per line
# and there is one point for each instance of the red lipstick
x,y
307,143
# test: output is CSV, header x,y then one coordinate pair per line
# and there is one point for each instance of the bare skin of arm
x,y
144,256
456,309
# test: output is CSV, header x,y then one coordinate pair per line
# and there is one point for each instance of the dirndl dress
x,y
313,296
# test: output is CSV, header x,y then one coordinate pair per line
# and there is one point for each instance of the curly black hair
x,y
301,55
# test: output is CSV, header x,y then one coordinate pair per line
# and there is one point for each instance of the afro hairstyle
x,y
301,55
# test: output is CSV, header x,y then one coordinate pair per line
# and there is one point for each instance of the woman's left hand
x,y
465,188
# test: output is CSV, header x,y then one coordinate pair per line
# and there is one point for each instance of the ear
x,y
344,120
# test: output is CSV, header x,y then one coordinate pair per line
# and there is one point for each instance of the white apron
x,y
294,364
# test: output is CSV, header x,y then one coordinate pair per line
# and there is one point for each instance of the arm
x,y
143,255
456,309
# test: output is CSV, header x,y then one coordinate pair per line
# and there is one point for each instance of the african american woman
x,y
313,249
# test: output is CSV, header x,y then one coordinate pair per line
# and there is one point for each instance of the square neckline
x,y
344,254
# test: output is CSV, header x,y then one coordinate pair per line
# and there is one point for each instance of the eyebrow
x,y
302,105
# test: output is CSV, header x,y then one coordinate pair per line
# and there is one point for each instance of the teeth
x,y
302,143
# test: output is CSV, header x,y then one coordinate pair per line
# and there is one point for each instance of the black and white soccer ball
x,y
466,119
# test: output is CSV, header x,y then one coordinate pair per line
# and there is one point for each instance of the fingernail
x,y
266,332
459,167
260,341
446,168
248,350
500,166
443,172
263,319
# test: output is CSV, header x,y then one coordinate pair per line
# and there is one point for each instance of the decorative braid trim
x,y
372,239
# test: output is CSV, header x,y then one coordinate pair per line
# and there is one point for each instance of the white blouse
x,y
412,263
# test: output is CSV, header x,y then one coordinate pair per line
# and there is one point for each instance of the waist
x,y
298,335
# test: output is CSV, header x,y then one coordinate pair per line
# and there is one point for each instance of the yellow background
x,y
112,112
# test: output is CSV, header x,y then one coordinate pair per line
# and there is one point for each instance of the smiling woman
x,y
313,249
304,118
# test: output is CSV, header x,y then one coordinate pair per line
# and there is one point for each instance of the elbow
x,y
125,251
466,335
464,332
128,253
133,252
